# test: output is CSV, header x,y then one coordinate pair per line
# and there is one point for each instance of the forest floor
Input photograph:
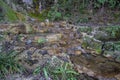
x,y
94,52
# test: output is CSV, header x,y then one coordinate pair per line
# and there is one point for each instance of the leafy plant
x,y
54,14
41,40
112,3
9,65
101,1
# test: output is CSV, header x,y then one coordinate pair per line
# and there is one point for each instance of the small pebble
x,y
28,42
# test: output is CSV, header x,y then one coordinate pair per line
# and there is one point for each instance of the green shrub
x,y
54,14
76,6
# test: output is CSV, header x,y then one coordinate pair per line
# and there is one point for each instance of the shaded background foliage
x,y
65,9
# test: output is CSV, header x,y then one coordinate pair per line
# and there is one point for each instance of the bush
x,y
53,14
62,9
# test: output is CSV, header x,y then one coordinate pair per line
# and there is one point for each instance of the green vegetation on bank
x,y
7,12
76,10
57,71
69,10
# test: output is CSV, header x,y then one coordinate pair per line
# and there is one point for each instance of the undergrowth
x,y
9,14
9,65
40,16
63,72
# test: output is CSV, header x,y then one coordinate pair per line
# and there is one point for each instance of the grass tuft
x,y
63,72
9,65
8,12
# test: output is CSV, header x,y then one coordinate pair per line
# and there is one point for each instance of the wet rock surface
x,y
94,51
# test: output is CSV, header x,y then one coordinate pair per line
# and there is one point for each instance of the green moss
x,y
40,16
98,51
85,29
9,13
89,42
116,15
117,46
112,31
41,40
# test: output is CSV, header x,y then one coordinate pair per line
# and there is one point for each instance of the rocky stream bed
x,y
94,51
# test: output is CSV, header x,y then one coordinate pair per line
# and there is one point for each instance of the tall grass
x,y
63,72
9,13
9,65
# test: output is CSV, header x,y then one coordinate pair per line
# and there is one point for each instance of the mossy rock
x,y
40,16
102,36
109,46
112,31
112,46
117,45
117,59
90,43
85,29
